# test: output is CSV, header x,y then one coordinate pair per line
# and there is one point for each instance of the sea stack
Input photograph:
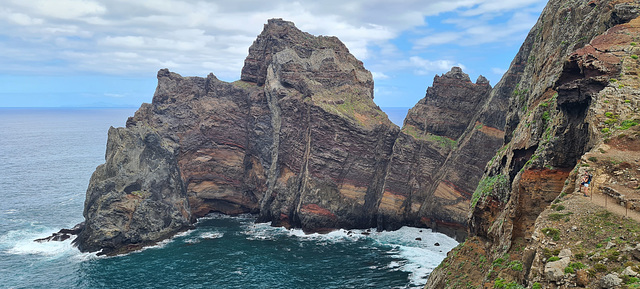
x,y
297,141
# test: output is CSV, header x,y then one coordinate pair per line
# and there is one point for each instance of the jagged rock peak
x,y
482,80
279,35
456,72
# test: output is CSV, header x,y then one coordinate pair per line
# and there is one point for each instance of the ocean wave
x,y
203,236
21,242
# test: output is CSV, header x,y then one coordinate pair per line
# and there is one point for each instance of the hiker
x,y
586,180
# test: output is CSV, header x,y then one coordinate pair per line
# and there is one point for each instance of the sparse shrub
x,y
577,265
628,124
553,259
629,280
515,266
608,114
593,159
560,208
633,44
579,256
559,216
634,56
552,232
613,80
599,267
627,101
536,285
605,130
569,270
545,116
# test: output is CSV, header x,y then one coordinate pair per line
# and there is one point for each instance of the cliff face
x,y
298,141
563,85
440,154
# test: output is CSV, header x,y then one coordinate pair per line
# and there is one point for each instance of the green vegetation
x,y
536,285
633,44
634,56
613,80
552,232
627,101
559,216
502,283
628,124
599,267
553,259
487,186
545,116
515,266
593,159
629,280
577,266
442,141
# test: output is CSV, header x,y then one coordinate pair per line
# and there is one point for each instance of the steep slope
x,y
563,83
297,140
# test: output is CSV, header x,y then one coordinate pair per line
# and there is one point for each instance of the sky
x,y
84,53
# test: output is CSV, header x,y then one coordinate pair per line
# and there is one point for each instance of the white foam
x,y
21,242
415,249
418,247
204,235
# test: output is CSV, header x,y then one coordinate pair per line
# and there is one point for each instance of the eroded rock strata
x,y
574,95
297,140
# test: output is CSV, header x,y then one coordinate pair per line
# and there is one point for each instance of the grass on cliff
x,y
441,141
352,104
489,186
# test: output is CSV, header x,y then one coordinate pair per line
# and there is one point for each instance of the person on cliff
x,y
586,180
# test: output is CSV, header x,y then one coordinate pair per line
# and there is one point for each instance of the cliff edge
x,y
573,109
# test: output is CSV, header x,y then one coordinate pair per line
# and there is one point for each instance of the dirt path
x,y
611,205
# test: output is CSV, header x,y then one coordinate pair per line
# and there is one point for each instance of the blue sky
x,y
79,53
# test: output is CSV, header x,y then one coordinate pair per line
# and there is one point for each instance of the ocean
x,y
46,159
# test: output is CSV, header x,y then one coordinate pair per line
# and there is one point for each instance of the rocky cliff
x,y
440,154
574,101
297,140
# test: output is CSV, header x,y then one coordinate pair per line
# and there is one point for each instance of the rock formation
x,y
297,140
440,154
573,87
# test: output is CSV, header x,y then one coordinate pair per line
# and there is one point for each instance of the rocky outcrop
x,y
440,154
137,197
564,81
297,140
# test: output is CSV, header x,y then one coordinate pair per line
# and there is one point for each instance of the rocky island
x,y
297,141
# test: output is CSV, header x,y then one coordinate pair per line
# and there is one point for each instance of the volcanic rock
x,y
297,140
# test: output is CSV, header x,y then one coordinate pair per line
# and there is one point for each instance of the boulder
x,y
610,281
554,271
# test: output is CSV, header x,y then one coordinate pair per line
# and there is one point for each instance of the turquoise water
x,y
46,159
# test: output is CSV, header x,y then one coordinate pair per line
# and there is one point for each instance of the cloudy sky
x,y
106,53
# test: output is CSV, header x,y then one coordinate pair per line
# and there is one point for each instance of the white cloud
x,y
437,39
195,38
379,75
425,67
498,71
